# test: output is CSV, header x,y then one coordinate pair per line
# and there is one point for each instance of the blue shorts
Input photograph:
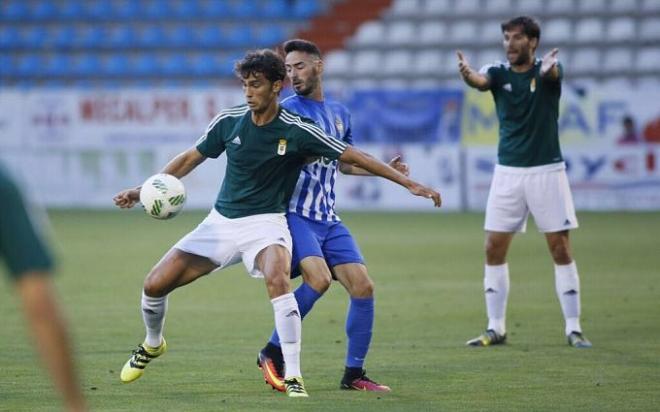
x,y
329,240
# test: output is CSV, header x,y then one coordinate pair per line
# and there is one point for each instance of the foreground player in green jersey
x,y
266,147
26,254
530,176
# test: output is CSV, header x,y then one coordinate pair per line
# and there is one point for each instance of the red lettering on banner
x,y
134,110
650,161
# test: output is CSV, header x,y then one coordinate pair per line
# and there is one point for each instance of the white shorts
x,y
228,241
541,190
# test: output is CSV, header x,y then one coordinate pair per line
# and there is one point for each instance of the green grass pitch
x,y
429,301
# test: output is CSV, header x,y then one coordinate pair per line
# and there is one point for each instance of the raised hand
x,y
549,61
463,64
127,198
399,166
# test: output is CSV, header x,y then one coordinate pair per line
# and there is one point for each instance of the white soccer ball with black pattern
x,y
162,196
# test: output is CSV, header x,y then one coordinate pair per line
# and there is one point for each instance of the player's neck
x,y
316,94
267,116
522,68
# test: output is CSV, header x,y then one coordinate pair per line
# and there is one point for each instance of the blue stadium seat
x,y
126,10
86,65
305,9
181,36
15,10
243,9
121,37
43,10
275,9
71,10
203,64
184,9
151,36
216,8
116,65
174,65
33,36
8,65
99,9
58,65
145,65
210,35
156,10
237,35
270,35
29,65
90,36
9,37
62,36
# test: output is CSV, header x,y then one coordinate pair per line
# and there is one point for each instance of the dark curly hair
x,y
264,61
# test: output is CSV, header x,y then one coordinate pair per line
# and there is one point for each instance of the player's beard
x,y
524,57
308,87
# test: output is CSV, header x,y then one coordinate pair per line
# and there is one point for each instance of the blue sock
x,y
306,296
359,325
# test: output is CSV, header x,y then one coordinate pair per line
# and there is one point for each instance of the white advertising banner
x,y
601,178
434,166
78,148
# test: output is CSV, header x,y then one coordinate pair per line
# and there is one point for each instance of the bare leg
x,y
49,331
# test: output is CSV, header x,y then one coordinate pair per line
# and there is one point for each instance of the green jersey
x,y
21,245
263,162
527,108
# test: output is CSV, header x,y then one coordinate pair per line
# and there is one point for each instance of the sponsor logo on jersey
x,y
281,147
532,85
507,87
236,140
339,125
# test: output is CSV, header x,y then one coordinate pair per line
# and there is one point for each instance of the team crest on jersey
x,y
532,85
281,147
507,87
340,125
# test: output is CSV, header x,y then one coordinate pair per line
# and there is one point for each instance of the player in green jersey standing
x,y
266,147
530,176
30,265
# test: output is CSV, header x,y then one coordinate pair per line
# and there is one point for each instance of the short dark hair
x,y
264,61
301,45
530,27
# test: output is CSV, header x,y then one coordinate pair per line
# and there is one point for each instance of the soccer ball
x,y
162,196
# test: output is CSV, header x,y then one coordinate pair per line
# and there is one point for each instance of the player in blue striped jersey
x,y
323,248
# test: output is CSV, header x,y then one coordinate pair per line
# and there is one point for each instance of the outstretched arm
x,y
369,163
396,163
470,76
179,166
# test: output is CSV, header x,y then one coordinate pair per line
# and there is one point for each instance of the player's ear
x,y
319,66
277,86
534,42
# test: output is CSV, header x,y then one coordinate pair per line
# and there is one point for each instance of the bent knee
x,y
153,287
320,281
364,288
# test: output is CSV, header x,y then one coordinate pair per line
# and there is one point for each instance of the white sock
x,y
496,290
153,314
288,326
567,284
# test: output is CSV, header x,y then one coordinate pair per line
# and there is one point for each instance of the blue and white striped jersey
x,y
314,195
